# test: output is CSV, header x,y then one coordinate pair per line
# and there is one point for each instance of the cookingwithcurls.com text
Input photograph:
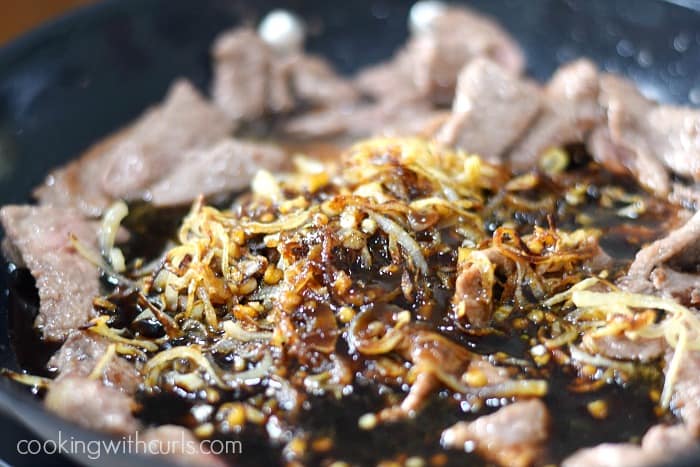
x,y
131,444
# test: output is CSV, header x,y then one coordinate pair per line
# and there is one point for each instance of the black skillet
x,y
73,81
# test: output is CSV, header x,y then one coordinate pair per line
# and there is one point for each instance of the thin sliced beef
x,y
38,237
92,405
513,436
570,111
407,117
429,63
610,455
675,138
225,167
473,298
317,84
252,80
681,286
630,134
668,440
685,400
681,248
660,444
126,164
80,355
241,65
158,140
491,110
77,184
622,348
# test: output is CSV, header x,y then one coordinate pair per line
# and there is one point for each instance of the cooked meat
x,y
37,237
492,374
92,405
179,445
623,348
159,139
226,167
491,110
429,64
387,118
81,355
128,163
316,84
570,111
241,65
668,440
685,240
675,138
77,184
614,158
660,444
682,286
685,400
252,80
390,80
511,436
474,296
610,455
630,131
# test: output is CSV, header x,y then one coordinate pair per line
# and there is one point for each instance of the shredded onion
x,y
235,331
599,361
404,239
107,235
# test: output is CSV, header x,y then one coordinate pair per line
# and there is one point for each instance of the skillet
x,y
71,82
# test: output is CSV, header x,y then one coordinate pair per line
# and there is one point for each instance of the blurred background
x,y
18,16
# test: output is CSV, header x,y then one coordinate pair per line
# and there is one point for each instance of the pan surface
x,y
71,82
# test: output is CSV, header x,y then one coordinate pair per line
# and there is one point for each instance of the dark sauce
x,y
31,351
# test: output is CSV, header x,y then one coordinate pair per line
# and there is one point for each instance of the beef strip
x,y
675,137
491,110
609,455
660,444
77,184
82,352
684,287
472,299
429,63
158,140
226,167
91,404
406,117
472,295
38,237
511,436
668,440
252,80
179,445
685,400
316,84
629,131
240,84
622,348
127,164
667,250
570,111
